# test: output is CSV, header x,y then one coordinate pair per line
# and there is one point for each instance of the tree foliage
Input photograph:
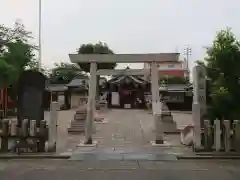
x,y
99,48
16,53
223,71
63,73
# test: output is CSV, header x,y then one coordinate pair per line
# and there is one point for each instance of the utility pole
x,y
188,53
40,34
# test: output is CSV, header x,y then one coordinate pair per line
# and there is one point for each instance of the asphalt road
x,y
122,170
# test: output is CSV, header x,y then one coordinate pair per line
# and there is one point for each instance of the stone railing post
x,y
52,139
227,135
33,128
5,134
13,128
217,135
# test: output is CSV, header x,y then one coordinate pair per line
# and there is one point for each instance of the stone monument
x,y
32,131
31,86
199,104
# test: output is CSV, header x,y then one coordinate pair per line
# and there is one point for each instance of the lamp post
x,y
39,34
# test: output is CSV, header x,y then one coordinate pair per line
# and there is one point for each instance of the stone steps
x,y
80,117
75,131
76,127
78,124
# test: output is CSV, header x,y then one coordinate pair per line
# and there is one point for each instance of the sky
x,y
127,26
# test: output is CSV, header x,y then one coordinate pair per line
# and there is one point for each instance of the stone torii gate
x,y
153,59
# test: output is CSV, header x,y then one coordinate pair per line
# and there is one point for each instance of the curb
x,y
173,133
182,112
43,156
209,157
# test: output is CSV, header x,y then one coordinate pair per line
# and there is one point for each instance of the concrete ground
x,y
127,131
130,131
114,170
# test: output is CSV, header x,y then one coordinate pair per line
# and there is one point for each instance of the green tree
x,y
33,65
223,73
99,48
16,53
63,73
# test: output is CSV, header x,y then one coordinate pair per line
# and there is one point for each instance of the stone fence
x,y
206,135
219,135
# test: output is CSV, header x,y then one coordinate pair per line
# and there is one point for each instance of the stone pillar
x,y
208,139
33,128
156,104
199,102
5,132
154,83
13,129
199,88
25,127
227,135
236,131
217,135
52,141
91,104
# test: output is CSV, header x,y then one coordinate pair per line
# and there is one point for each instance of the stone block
x,y
237,137
98,119
79,117
83,144
77,127
163,144
98,106
169,126
81,114
187,135
167,118
165,125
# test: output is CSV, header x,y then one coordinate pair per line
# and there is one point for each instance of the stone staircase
x,y
77,124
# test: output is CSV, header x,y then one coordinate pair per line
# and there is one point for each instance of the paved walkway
x,y
130,131
127,131
114,170
124,130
